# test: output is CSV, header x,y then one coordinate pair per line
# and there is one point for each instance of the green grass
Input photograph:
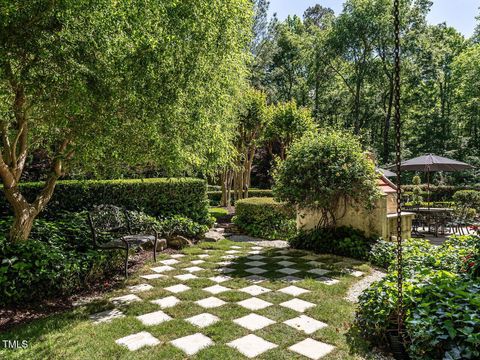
x,y
217,212
72,335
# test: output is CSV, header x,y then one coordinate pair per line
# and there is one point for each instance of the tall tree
x,y
100,84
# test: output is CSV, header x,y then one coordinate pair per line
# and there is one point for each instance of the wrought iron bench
x,y
112,230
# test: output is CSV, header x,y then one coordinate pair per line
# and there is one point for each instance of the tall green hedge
x,y
158,197
215,196
438,193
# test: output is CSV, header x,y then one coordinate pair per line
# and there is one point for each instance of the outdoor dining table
x,y
432,213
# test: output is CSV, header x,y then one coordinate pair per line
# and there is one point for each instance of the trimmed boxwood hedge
x,y
265,218
216,196
439,193
158,197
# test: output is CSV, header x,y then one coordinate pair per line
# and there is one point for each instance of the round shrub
x,y
265,218
324,169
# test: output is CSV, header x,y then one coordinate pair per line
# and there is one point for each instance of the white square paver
x,y
285,263
283,252
255,252
140,288
318,271
354,273
169,262
235,247
220,278
225,270
138,340
210,302
177,256
193,269
255,278
254,304
312,349
256,270
255,263
216,289
203,256
153,276
256,257
305,324
290,278
257,248
297,305
185,277
106,316
197,262
203,320
288,271
284,257
310,257
154,318
253,322
251,345
293,290
327,280
255,290
125,299
315,263
225,263
193,343
232,252
161,269
177,288
229,257
166,302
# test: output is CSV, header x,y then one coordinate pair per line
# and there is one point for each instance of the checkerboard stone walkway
x,y
194,281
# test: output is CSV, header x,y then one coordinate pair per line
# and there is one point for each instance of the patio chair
x,y
112,230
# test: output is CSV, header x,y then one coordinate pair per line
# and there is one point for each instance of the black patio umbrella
x,y
431,163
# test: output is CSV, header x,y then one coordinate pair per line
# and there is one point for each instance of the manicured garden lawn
x,y
74,335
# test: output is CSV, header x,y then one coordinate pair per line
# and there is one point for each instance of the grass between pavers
x,y
72,335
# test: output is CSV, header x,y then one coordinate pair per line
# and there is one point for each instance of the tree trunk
x,y
22,224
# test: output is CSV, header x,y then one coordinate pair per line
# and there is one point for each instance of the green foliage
x,y
468,199
324,169
265,218
417,191
382,253
343,241
157,197
179,225
439,193
59,260
217,212
214,197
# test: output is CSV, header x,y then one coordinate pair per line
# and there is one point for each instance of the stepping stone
x,y
285,263
106,316
257,248
289,278
255,290
283,252
312,349
253,322
153,276
125,299
256,270
177,288
203,256
354,273
255,278
297,305
197,262
220,278
138,340
226,270
169,262
140,288
193,269
210,302
154,318
255,263
288,271
293,290
255,252
229,257
232,252
177,256
216,289
282,257
164,268
185,277
225,263
315,263
193,343
256,257
166,302
235,247
254,304
305,324
309,257
251,345
327,280
318,271
203,320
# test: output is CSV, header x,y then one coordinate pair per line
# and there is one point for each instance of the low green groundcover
x,y
265,218
441,298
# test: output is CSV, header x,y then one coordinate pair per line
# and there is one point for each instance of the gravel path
x,y
355,291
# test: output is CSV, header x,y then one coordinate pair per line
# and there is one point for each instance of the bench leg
x,y
126,263
155,250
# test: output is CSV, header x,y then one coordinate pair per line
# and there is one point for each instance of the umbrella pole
x,y
428,190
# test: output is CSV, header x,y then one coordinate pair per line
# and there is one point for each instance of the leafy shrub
x,y
344,241
382,253
215,197
439,192
442,316
265,218
179,225
322,170
58,260
468,199
157,197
